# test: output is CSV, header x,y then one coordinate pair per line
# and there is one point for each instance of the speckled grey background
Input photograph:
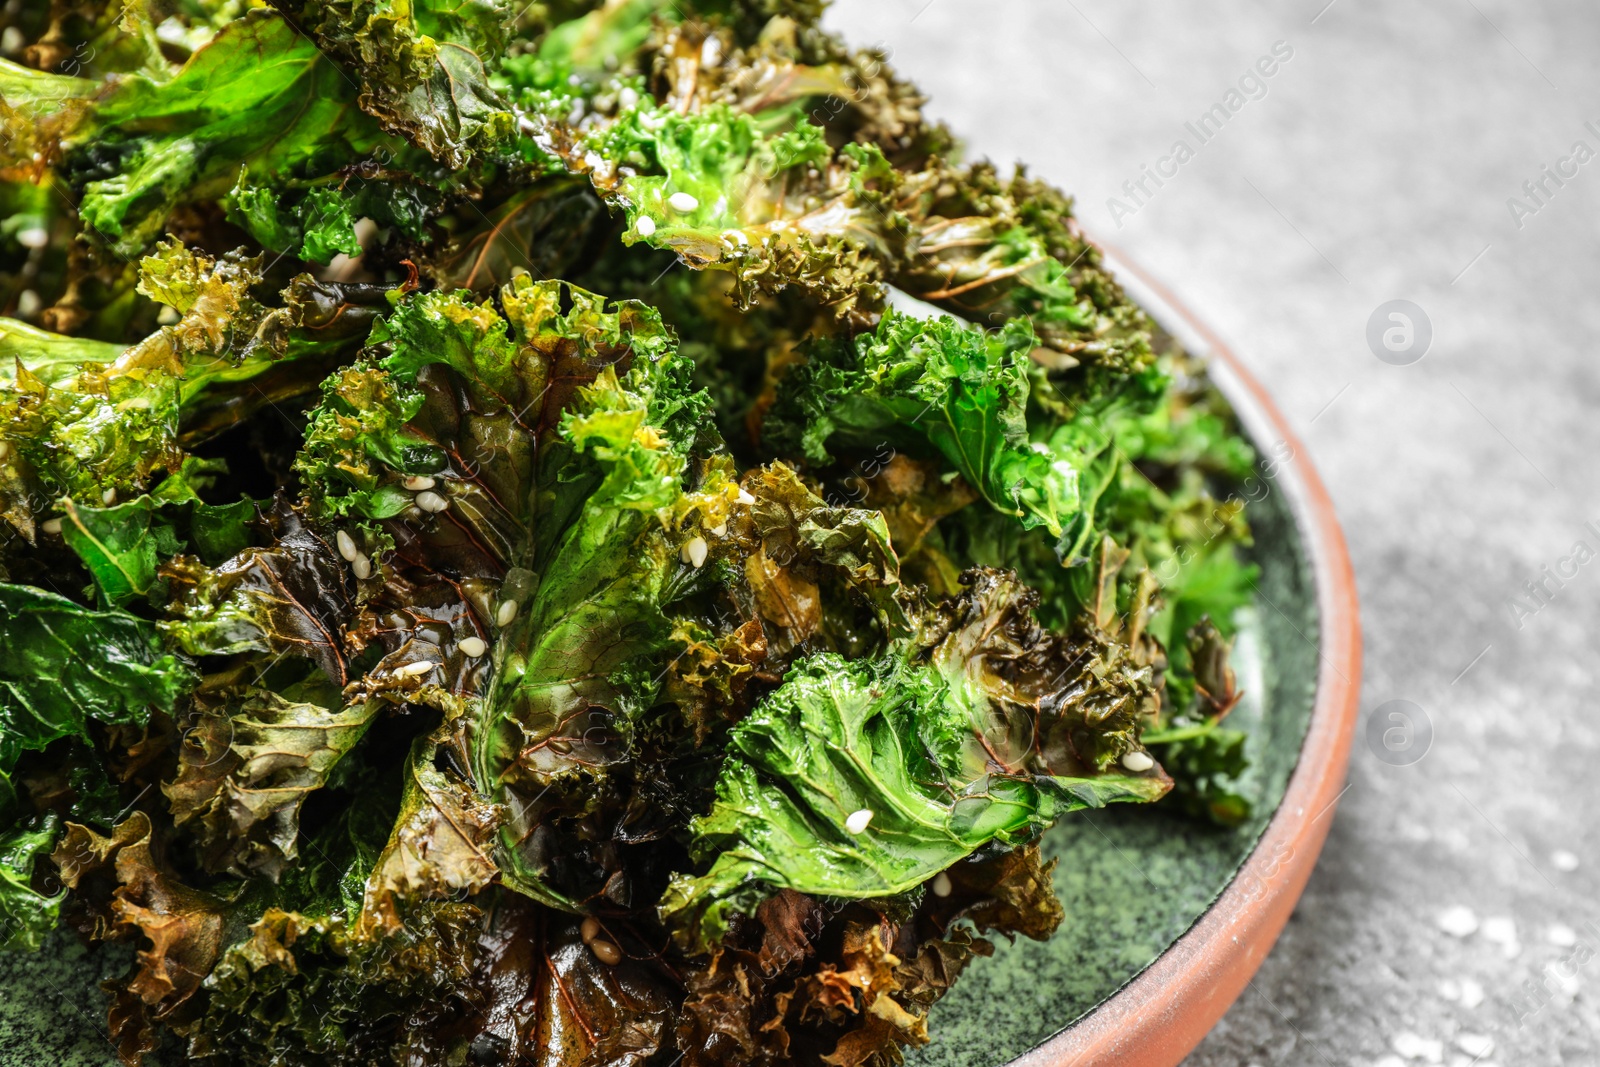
x,y
1451,905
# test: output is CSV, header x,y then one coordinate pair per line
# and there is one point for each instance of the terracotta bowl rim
x,y
1163,1013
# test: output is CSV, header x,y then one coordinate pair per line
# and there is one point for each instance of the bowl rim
x,y
1161,1014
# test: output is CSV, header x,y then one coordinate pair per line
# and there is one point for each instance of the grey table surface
x,y
1454,909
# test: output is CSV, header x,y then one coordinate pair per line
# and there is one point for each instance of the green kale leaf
x,y
49,357
968,395
316,228
422,65
599,575
862,779
539,458
121,545
95,431
140,147
66,666
26,914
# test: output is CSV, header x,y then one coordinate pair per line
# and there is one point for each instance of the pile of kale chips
x,y
486,574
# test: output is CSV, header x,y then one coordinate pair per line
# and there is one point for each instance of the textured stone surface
x,y
1377,166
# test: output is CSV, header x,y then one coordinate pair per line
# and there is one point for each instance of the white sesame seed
x,y
941,885
51,526
628,97
711,52
472,647
168,316
507,612
646,225
1562,860
858,820
428,500
682,202
347,546
411,670
361,566
744,498
693,552
1561,935
1416,1047
1138,762
28,304
719,530
417,482
109,496
1502,930
1458,921
33,237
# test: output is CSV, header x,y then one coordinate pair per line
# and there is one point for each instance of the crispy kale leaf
x,y
304,990
67,666
538,995
440,847
99,431
864,779
309,982
138,146
788,572
49,357
37,109
249,766
287,598
318,226
755,189
602,568
26,913
1179,509
544,228
123,545
960,390
179,928
422,65
554,447
726,164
